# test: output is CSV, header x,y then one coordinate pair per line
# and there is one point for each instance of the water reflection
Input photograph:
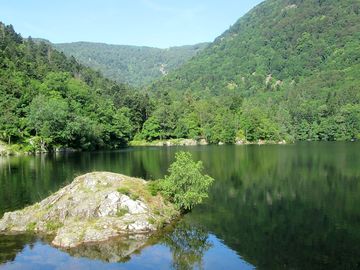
x,y
10,245
294,207
118,249
188,244
278,207
180,246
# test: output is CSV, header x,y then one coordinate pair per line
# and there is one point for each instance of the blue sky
x,y
157,23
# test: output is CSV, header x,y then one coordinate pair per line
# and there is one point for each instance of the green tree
x,y
186,185
151,129
47,117
188,126
121,128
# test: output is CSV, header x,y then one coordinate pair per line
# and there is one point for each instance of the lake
x,y
271,207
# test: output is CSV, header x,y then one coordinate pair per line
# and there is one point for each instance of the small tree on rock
x,y
186,185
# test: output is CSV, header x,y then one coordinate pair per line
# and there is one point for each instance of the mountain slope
x,y
285,38
49,101
137,66
294,60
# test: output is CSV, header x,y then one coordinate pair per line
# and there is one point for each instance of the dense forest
x,y
49,101
137,66
288,70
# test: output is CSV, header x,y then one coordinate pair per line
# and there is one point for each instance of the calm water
x,y
271,207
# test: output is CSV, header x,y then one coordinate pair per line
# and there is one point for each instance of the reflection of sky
x,y
222,257
44,257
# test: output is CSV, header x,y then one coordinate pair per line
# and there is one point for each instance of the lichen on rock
x,y
93,208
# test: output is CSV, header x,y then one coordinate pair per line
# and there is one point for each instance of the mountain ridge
x,y
284,23
288,69
291,63
135,65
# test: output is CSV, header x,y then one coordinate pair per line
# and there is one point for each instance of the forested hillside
x,y
49,101
287,69
134,65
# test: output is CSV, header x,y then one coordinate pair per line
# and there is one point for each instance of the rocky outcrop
x,y
171,142
258,142
5,150
94,207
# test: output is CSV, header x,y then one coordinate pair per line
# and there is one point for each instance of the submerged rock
x,y
94,207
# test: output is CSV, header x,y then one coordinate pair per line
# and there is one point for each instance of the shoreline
x,y
7,151
15,150
202,142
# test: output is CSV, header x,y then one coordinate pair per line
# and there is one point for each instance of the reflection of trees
x,y
11,245
284,207
188,243
294,206
25,180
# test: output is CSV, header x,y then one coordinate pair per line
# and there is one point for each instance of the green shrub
x,y
121,212
186,185
31,227
152,220
134,196
124,190
154,187
53,226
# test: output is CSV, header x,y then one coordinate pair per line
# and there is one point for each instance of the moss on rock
x,y
94,207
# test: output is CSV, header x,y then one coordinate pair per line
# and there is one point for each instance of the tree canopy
x,y
288,69
186,185
48,100
137,66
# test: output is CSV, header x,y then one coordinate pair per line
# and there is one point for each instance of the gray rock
x,y
93,208
109,206
134,207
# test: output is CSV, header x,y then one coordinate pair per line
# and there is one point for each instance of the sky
x,y
155,23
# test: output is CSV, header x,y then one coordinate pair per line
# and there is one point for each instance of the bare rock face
x,y
93,208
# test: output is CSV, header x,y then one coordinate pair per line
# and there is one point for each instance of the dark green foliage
x,y
154,187
186,185
137,66
151,129
124,190
188,244
49,101
122,212
289,69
